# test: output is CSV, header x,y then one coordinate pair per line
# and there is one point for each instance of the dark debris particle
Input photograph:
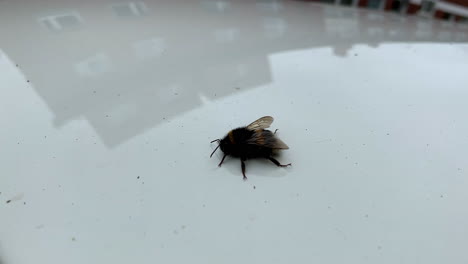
x,y
24,203
73,239
441,196
388,134
237,88
138,177
16,65
28,80
9,201
254,187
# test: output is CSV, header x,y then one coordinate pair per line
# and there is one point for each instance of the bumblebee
x,y
250,142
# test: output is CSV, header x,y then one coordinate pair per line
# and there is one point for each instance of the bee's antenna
x,y
214,140
214,150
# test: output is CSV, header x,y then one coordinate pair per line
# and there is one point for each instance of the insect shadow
x,y
254,167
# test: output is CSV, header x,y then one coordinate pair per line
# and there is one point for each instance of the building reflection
x,y
126,76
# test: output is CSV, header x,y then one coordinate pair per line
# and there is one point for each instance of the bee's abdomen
x,y
239,147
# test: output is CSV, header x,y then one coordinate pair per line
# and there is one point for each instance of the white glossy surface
x,y
372,105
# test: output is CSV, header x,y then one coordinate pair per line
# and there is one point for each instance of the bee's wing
x,y
266,138
280,144
261,123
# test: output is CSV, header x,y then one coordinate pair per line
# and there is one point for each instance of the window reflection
x,y
130,9
61,22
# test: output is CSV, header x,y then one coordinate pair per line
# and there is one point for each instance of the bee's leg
x,y
219,165
277,162
243,168
275,131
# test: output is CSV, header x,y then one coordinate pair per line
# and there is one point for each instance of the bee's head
x,y
225,145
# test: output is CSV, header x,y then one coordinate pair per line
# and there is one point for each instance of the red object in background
x,y
412,8
458,2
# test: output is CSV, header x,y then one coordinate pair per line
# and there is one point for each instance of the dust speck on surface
x,y
388,134
183,227
237,88
441,196
9,201
367,216
254,187
73,239
24,203
379,247
138,177
28,80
